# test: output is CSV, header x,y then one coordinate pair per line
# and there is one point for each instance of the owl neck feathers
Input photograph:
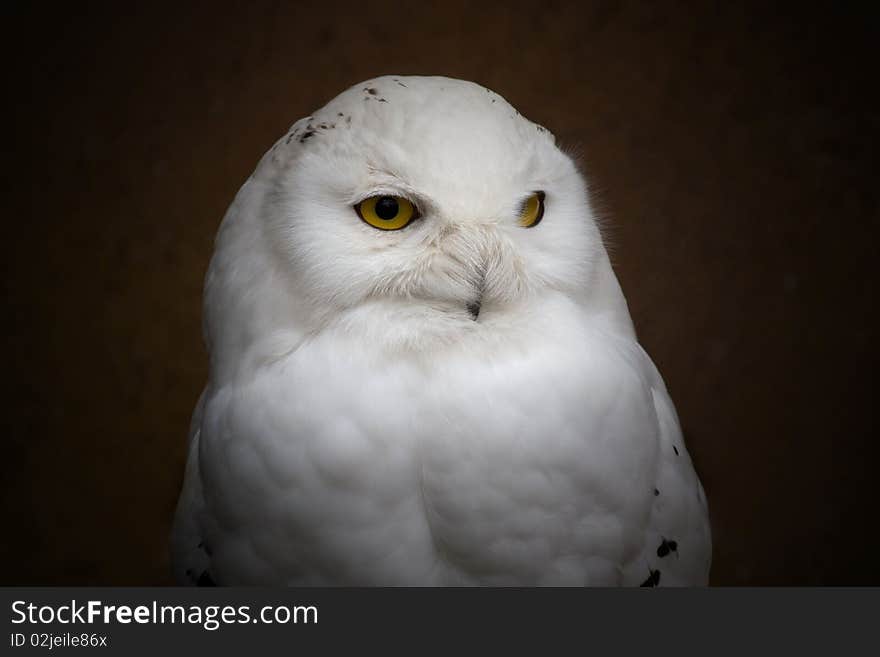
x,y
250,312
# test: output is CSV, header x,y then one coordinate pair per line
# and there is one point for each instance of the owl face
x,y
427,193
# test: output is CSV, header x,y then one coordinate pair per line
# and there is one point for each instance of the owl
x,y
423,370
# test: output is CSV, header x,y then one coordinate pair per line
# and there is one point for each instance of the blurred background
x,y
732,149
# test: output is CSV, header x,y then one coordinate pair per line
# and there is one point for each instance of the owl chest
x,y
538,470
514,471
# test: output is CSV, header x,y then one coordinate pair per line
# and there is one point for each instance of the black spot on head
x,y
205,580
656,492
653,578
289,137
323,126
675,449
382,100
306,135
371,91
493,100
340,114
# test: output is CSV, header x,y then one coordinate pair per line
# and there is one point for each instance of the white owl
x,y
423,370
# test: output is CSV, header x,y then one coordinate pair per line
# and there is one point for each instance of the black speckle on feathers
x,y
653,578
205,580
666,547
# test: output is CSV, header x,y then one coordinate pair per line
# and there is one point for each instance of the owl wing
x,y
677,549
190,561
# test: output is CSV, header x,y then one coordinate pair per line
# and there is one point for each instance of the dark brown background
x,y
733,152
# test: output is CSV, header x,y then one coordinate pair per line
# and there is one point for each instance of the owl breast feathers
x,y
423,370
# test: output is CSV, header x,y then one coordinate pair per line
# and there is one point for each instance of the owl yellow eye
x,y
532,210
386,212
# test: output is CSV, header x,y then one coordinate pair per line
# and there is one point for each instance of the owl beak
x,y
474,308
468,248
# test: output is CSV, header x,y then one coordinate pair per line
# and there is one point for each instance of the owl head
x,y
415,209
